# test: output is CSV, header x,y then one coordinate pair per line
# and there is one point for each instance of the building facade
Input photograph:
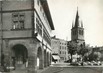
x,y
63,50
59,47
25,30
55,45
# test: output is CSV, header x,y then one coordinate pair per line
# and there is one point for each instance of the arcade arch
x,y
19,56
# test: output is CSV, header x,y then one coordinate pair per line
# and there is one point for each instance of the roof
x,y
77,19
46,10
78,23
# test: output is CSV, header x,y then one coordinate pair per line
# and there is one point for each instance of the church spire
x,y
77,19
77,31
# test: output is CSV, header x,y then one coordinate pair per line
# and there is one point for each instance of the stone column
x,y
6,53
32,64
32,57
6,60
50,58
41,66
45,58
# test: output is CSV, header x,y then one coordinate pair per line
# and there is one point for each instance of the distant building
x,y
55,45
59,47
63,52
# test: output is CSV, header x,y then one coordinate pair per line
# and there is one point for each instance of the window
x,y
21,16
65,58
38,2
60,52
38,26
65,48
15,25
74,32
18,20
60,47
80,32
21,24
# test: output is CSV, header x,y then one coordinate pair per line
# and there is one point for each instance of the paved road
x,y
66,68
73,70
80,70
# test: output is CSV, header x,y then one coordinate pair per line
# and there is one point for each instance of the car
x,y
11,68
75,64
68,61
85,63
90,63
99,63
96,63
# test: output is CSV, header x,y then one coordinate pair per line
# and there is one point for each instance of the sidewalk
x,y
51,70
42,70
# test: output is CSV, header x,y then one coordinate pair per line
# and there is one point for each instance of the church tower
x,y
77,31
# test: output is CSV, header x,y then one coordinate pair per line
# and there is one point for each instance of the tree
x,y
83,50
72,49
94,56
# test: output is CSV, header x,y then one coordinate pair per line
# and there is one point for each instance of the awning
x,y
56,57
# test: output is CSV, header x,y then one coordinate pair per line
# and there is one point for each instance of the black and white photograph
x,y
51,36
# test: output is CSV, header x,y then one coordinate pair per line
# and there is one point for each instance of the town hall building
x,y
25,34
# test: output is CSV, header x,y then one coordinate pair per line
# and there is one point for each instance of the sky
x,y
63,13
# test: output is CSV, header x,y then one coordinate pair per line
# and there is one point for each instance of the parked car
x,y
90,63
11,68
68,61
99,63
75,64
96,63
85,63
